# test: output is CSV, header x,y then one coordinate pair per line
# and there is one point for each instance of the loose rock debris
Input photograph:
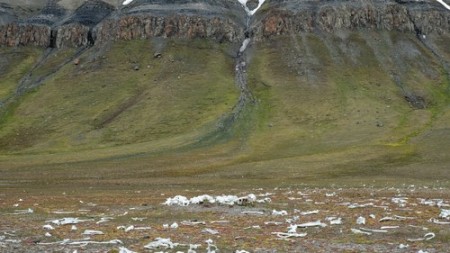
x,y
290,219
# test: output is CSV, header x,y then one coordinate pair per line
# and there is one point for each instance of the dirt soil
x,y
407,219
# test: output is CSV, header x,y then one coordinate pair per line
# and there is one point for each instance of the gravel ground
x,y
396,220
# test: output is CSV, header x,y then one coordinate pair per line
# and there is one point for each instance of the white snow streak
x,y
244,45
127,2
251,12
444,4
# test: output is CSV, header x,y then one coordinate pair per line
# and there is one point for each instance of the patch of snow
x,y
444,4
244,45
251,12
48,234
73,228
127,2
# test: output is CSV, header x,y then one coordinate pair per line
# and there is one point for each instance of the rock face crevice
x,y
97,21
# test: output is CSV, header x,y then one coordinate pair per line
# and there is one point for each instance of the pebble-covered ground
x,y
410,219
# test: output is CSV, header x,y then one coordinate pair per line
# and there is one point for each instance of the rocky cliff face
x,y
180,26
96,21
329,16
14,34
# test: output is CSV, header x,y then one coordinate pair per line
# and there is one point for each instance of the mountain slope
x,y
333,90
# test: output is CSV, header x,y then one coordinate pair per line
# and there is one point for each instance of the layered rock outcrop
x,y
14,34
404,16
181,19
141,26
96,21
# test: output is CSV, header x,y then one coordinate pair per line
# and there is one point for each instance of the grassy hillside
x,y
351,108
103,101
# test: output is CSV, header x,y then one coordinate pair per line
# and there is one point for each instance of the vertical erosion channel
x,y
241,64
